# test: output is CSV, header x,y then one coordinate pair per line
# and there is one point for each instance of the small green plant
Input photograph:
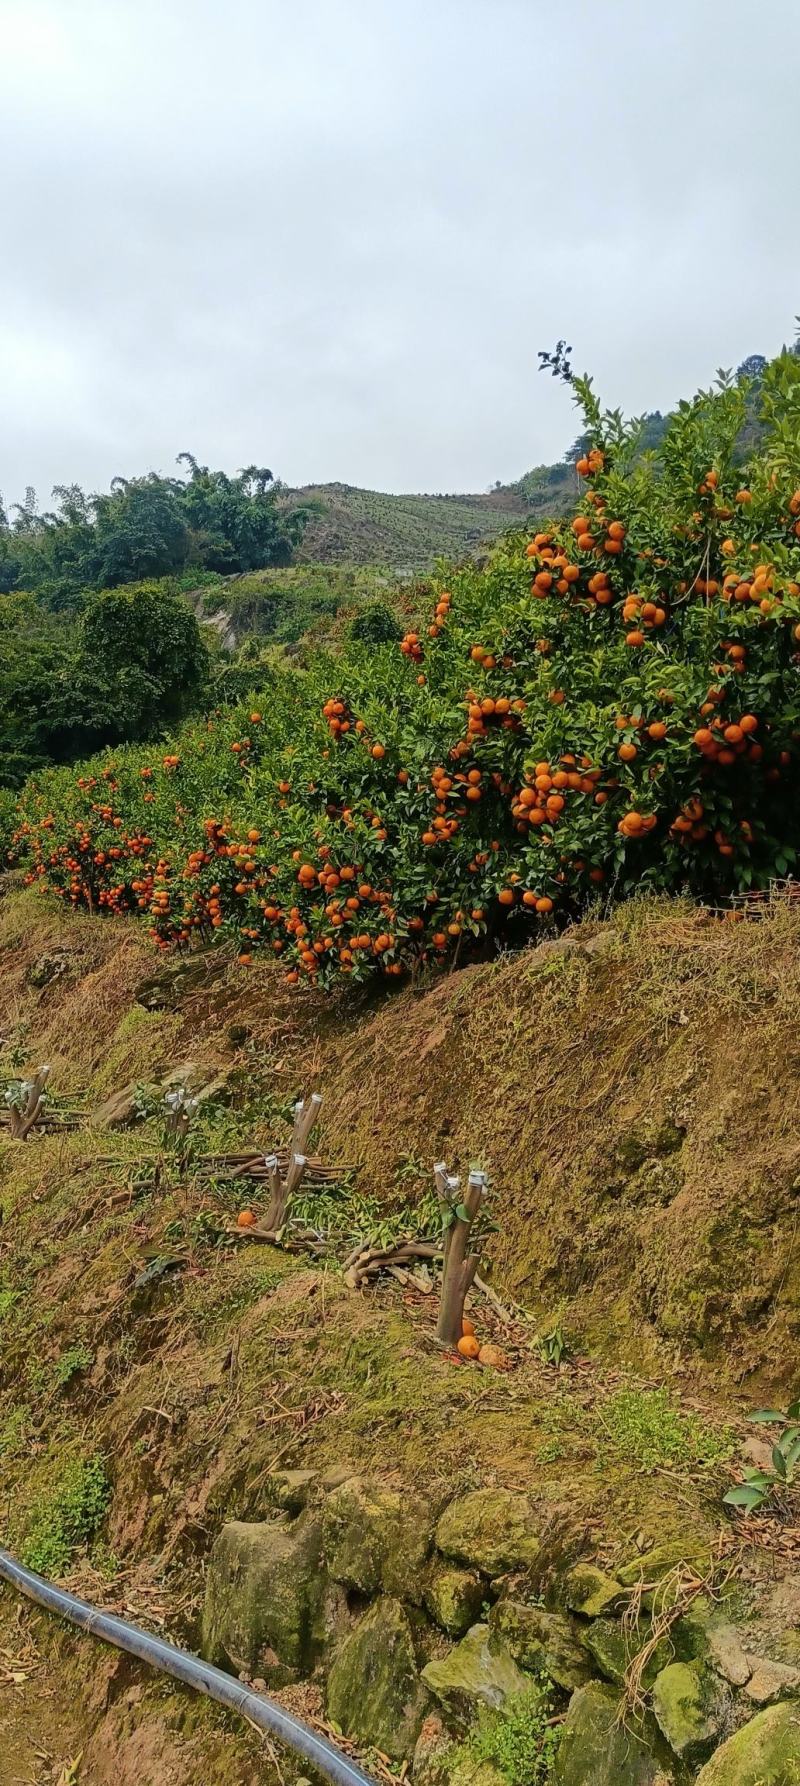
x,y
71,1363
553,1346
14,1432
760,1486
69,1518
517,1740
8,1299
646,1428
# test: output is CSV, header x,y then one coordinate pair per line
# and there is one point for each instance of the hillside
x,y
348,525
160,1378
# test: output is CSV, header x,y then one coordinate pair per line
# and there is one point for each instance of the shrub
x,y
375,625
610,705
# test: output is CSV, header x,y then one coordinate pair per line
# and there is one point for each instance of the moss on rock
x,y
765,1752
265,1599
374,1690
596,1749
544,1642
377,1538
491,1529
480,1671
453,1598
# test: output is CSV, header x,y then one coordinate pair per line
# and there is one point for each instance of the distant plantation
x,y
611,704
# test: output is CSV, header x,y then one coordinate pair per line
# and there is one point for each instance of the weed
x,y
8,1299
760,1486
69,1518
71,1363
516,1740
648,1430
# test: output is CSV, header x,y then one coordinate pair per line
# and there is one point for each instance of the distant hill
x,y
353,526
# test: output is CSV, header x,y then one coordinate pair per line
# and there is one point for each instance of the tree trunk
x,y
460,1265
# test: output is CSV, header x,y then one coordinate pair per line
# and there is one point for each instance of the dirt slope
x,y
631,1090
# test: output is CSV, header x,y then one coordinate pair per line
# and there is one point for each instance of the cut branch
x,y
25,1104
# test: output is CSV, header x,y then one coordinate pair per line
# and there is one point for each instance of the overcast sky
x,y
329,236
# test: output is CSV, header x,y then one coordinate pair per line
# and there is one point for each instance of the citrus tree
x,y
612,703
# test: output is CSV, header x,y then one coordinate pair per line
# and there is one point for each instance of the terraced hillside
x,y
370,527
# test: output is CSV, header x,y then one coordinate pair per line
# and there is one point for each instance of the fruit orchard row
x,y
612,703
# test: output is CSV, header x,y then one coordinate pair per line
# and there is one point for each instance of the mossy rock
x,y
591,1592
374,1691
453,1598
265,1605
377,1538
543,1642
480,1671
491,1529
613,1649
765,1752
656,1563
688,1708
597,1750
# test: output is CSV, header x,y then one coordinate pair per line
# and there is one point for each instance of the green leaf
x,y
768,1416
462,1212
744,1497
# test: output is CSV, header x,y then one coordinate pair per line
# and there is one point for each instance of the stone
x,y
47,968
265,1604
659,1562
335,1475
726,1652
597,1750
433,1751
480,1671
117,1110
544,1642
770,1680
290,1489
591,1592
687,1711
377,1538
490,1529
765,1752
613,1649
453,1598
374,1691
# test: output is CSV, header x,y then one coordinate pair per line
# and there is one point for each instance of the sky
x,y
330,236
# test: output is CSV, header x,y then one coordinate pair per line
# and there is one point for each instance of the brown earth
x,y
631,1091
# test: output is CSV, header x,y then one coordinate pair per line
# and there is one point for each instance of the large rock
x,y
374,1691
377,1538
265,1605
543,1642
491,1529
480,1671
687,1710
597,1750
765,1752
453,1597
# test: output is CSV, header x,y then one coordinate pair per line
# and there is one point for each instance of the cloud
x,y
331,237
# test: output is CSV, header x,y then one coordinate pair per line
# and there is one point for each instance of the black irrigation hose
x,y
191,1670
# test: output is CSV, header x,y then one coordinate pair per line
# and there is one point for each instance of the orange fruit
x,y
468,1346
467,1325
245,1219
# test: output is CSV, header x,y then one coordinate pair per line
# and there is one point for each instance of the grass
x,y
515,1739
646,1429
68,1519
